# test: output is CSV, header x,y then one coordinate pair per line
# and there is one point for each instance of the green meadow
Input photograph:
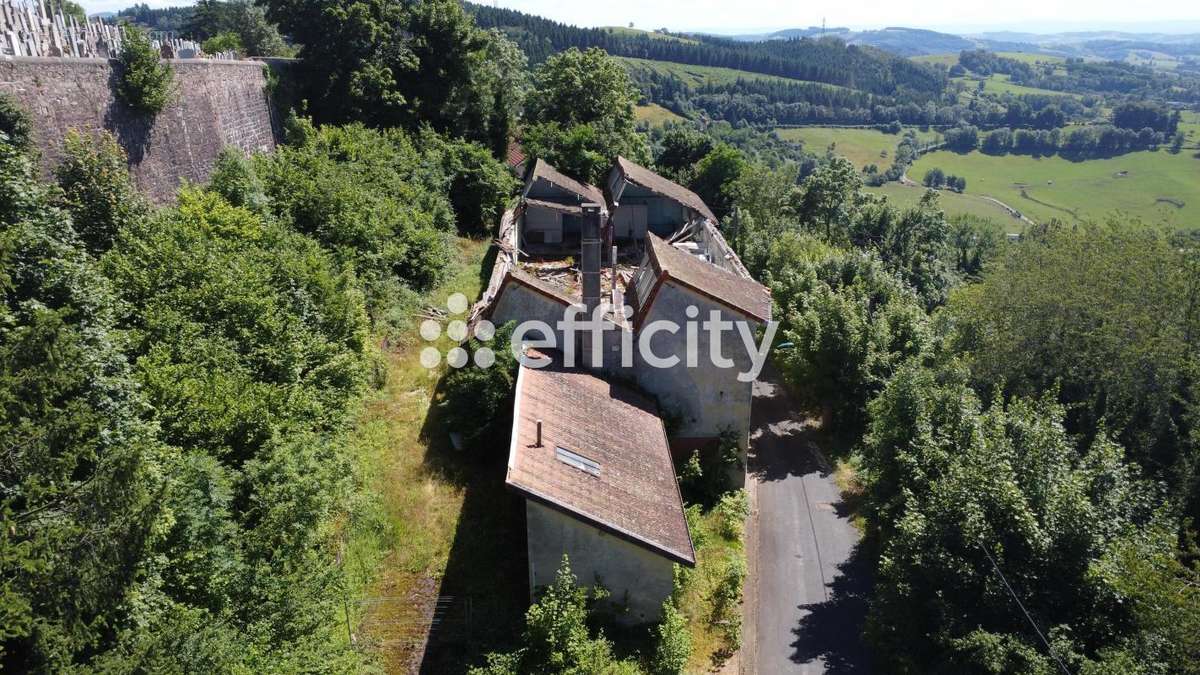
x,y
1154,186
953,204
860,146
655,115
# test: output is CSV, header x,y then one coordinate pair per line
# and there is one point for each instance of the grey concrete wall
x,y
709,399
217,103
520,303
633,574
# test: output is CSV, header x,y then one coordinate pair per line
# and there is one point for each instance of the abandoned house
x,y
591,460
598,479
642,201
549,216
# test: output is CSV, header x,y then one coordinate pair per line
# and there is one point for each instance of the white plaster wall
x,y
710,399
633,574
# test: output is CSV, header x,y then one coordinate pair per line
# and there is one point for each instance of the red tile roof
x,y
738,293
640,175
634,495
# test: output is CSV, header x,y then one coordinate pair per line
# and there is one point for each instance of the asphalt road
x,y
810,594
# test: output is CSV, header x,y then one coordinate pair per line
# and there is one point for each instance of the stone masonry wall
x,y
217,104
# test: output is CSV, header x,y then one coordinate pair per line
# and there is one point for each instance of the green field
x,y
1154,186
1190,127
860,146
944,59
623,30
655,115
1002,84
906,196
696,76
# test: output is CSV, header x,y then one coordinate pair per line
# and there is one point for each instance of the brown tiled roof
x,y
635,173
589,193
634,495
744,295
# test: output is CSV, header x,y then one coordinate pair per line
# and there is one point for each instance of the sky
x,y
749,16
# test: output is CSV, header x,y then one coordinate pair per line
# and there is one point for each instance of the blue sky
x,y
725,16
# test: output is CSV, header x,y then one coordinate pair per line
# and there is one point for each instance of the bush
x,y
15,123
475,400
145,84
733,510
227,41
235,179
479,185
367,196
673,645
726,600
706,475
97,190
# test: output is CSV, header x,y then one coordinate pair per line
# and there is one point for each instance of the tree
x,y
680,150
556,638
146,83
580,114
1104,316
390,64
238,25
850,323
934,178
961,493
82,476
828,200
716,176
97,190
227,41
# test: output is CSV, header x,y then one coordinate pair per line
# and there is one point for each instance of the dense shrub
x,y
145,83
479,185
556,638
476,401
15,124
97,190
673,642
369,198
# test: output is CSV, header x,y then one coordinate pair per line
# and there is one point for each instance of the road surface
x,y
807,605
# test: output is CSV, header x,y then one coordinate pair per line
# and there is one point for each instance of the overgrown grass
x,y
655,115
414,525
715,552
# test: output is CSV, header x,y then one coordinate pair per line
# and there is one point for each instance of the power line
x,y
1024,611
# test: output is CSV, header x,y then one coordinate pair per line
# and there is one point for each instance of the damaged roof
x,y
586,192
640,175
603,458
744,295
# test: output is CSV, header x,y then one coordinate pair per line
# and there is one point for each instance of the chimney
x,y
589,257
539,434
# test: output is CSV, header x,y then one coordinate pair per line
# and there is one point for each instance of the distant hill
x,y
1164,48
897,40
828,61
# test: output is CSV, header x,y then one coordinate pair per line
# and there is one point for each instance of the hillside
x,y
829,61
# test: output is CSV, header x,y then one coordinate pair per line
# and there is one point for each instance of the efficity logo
x,y
724,344
457,357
